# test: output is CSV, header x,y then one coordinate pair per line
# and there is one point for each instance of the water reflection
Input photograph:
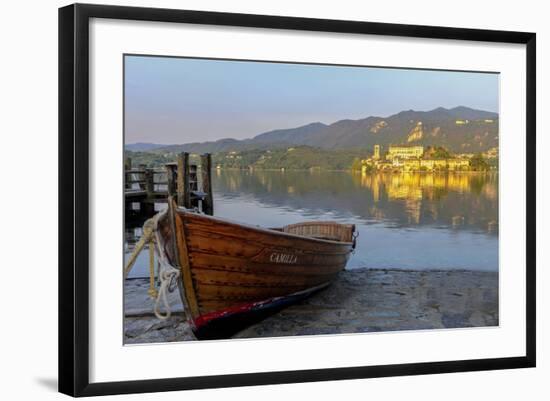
x,y
459,200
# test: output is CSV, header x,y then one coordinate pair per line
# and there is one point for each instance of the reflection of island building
x,y
413,208
398,187
373,182
490,192
418,186
418,192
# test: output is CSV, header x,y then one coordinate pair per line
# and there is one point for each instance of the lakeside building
x,y
404,152
466,155
409,158
376,155
454,164
491,153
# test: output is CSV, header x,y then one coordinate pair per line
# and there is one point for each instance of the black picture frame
x,y
74,198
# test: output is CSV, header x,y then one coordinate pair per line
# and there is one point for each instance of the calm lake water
x,y
408,221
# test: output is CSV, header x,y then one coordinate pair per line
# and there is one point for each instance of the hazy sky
x,y
178,100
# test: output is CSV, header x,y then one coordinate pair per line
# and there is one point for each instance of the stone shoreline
x,y
360,300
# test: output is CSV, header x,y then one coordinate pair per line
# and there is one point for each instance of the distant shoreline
x,y
313,170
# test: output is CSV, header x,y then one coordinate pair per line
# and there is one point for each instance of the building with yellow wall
x,y
491,153
458,164
454,164
405,152
433,164
376,155
408,159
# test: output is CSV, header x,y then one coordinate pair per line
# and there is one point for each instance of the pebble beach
x,y
359,301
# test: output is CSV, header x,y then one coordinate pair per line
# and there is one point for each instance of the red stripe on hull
x,y
244,308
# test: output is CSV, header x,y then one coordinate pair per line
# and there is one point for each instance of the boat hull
x,y
225,323
233,274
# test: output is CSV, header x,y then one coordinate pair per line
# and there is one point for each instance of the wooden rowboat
x,y
233,274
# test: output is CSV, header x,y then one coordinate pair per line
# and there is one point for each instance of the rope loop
x,y
168,276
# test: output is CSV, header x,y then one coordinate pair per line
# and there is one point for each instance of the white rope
x,y
167,274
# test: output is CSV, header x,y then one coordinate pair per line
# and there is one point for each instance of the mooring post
x,y
127,175
150,183
206,171
141,176
193,180
128,205
127,163
183,198
171,178
149,202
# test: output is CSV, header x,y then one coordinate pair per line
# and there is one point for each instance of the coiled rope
x,y
168,274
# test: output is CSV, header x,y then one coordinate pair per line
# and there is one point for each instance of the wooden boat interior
x,y
326,230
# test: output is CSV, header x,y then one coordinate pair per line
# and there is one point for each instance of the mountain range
x,y
460,129
143,146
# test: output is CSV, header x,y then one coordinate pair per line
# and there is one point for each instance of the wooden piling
x,y
150,183
206,170
149,204
127,163
193,181
171,178
182,182
183,195
141,176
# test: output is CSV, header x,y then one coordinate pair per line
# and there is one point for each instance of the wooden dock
x,y
189,184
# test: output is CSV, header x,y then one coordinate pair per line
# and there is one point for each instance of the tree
x,y
369,168
478,163
440,152
356,165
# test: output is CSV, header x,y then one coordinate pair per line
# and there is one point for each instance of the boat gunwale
x,y
265,230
